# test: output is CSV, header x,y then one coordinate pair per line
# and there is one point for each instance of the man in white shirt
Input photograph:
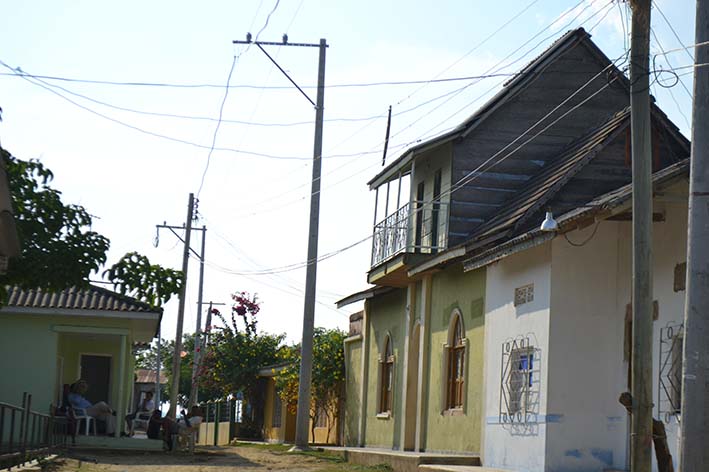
x,y
144,410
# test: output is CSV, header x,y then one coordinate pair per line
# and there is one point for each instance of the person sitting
x,y
100,411
182,427
142,412
154,425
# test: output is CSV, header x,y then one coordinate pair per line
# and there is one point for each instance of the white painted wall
x,y
516,448
591,287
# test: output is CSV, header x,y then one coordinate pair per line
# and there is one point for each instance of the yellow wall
x,y
286,432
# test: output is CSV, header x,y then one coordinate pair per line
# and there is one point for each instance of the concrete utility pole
x,y
694,428
200,256
641,384
181,313
306,349
157,370
194,391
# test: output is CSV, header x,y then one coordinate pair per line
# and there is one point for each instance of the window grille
x,y
456,366
277,410
670,381
520,381
386,383
524,294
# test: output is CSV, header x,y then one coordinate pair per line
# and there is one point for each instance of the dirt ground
x,y
252,458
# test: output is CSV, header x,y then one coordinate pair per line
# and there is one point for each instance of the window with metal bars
x,y
386,382
277,410
456,365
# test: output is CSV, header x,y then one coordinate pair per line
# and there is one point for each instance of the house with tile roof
x,y
49,339
483,335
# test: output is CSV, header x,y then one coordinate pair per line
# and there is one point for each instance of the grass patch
x,y
346,467
262,446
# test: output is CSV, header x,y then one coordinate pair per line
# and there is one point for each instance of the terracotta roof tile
x,y
90,298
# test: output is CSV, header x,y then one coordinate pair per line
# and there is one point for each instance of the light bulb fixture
x,y
549,224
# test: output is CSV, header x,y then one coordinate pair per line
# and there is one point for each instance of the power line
x,y
607,8
475,48
659,10
219,122
253,86
669,89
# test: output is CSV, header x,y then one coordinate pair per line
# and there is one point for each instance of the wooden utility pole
x,y
181,312
306,345
694,427
641,383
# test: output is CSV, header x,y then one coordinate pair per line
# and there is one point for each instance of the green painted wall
x,y
28,353
29,349
71,347
387,314
353,402
453,289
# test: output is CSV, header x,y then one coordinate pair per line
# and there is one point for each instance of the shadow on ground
x,y
204,456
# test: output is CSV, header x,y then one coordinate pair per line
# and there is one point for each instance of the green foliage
x,y
328,374
134,275
58,248
146,358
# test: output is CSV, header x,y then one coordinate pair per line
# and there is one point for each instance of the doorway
x,y
96,370
412,380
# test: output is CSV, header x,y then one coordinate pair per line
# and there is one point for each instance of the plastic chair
x,y
140,421
80,414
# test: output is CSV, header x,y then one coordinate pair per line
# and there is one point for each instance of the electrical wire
x,y
659,10
219,122
475,48
669,89
585,241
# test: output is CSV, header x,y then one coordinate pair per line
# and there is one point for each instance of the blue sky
x,y
256,208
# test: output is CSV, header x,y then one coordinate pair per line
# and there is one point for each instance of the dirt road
x,y
224,459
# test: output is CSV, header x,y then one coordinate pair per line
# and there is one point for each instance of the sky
x,y
131,154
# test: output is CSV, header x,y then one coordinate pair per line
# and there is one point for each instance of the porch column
x,y
120,406
410,307
422,390
361,436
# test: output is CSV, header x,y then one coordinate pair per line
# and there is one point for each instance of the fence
x,y
220,422
26,434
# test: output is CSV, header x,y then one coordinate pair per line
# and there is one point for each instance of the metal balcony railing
x,y
417,227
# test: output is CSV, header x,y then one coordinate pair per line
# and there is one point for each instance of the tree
x,y
236,352
58,247
327,379
146,358
153,284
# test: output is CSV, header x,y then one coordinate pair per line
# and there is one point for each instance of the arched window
x,y
456,364
386,382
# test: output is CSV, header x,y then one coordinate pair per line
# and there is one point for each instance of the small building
x,y
279,421
50,339
145,382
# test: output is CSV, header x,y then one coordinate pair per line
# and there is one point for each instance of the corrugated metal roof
x,y
148,376
90,298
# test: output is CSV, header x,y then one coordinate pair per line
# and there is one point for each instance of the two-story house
x,y
455,349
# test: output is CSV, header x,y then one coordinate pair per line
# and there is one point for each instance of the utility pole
x,y
157,370
200,256
641,383
306,349
181,312
194,390
694,428
199,354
